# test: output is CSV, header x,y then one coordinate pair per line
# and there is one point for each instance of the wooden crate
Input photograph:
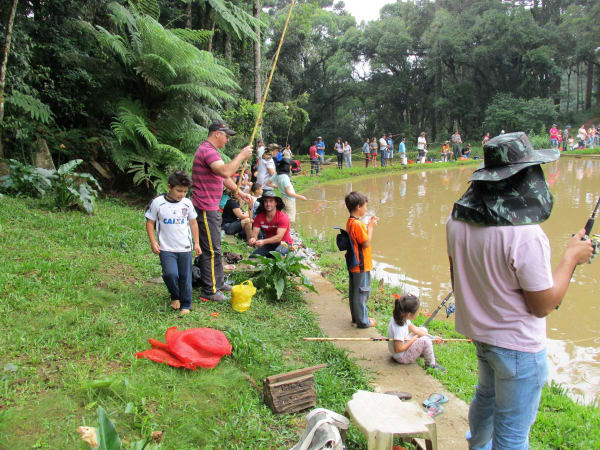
x,y
291,391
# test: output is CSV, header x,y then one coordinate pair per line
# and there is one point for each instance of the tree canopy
x,y
134,84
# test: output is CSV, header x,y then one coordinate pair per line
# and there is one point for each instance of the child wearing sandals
x,y
408,342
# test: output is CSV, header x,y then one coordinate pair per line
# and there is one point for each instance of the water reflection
x,y
409,248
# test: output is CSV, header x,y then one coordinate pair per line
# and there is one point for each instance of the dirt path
x,y
334,318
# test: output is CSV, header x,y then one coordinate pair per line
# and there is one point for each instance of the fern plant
x,y
172,88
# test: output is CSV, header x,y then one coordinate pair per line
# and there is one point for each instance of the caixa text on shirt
x,y
175,221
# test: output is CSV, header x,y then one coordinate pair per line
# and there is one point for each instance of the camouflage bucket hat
x,y
522,199
507,154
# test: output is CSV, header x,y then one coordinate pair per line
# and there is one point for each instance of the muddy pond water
x,y
409,249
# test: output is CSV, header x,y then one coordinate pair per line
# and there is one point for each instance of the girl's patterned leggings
x,y
421,347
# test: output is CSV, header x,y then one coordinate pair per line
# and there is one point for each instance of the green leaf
x,y
69,166
279,286
108,438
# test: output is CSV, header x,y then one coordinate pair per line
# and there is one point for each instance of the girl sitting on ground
x,y
408,342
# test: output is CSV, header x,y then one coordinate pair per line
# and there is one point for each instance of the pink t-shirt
x,y
492,266
553,133
281,220
208,186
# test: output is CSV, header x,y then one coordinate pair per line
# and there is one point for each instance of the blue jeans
x,y
507,397
177,275
266,250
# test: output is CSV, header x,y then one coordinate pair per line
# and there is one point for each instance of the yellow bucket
x,y
241,296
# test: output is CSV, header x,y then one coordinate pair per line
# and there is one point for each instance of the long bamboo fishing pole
x,y
264,99
374,339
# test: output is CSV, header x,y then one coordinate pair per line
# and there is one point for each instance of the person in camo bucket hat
x,y
509,188
504,286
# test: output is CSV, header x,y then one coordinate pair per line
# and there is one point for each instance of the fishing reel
x,y
450,309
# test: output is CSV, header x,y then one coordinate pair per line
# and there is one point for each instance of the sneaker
x,y
184,312
438,367
225,288
216,297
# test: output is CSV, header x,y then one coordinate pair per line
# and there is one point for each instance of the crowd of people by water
x,y
567,140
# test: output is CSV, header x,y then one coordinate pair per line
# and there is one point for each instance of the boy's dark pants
x,y
359,291
211,262
177,275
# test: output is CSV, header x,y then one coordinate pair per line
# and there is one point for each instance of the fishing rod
x,y
588,231
448,309
266,93
375,339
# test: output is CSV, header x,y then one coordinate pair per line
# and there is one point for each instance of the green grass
x,y
561,423
77,304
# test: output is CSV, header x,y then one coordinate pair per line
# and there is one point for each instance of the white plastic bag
x,y
322,431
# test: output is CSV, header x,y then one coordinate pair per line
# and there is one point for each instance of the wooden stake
x,y
374,339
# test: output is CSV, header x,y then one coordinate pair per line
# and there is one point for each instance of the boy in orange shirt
x,y
360,275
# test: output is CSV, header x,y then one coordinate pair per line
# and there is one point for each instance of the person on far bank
x,y
383,147
173,217
456,141
347,155
504,286
321,149
565,138
314,159
275,225
366,149
339,152
402,151
374,147
359,277
553,136
422,147
408,342
390,149
209,175
445,153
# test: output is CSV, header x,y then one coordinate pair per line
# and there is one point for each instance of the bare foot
x,y
184,312
372,322
175,305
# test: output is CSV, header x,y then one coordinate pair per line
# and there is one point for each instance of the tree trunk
x,y
257,61
568,88
588,85
597,87
227,47
212,36
577,89
188,14
11,20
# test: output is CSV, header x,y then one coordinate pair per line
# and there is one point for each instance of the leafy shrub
x,y
25,180
279,272
64,188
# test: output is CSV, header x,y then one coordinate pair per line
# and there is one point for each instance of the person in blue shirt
x,y
321,149
402,151
390,148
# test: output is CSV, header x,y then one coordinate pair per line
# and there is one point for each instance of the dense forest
x,y
130,87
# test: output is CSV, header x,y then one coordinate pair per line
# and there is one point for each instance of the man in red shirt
x,y
209,175
314,158
275,225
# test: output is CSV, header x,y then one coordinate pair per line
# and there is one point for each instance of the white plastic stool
x,y
381,417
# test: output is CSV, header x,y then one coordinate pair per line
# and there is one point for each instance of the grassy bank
x,y
561,422
77,303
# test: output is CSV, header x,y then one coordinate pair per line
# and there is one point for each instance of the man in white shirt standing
x,y
505,287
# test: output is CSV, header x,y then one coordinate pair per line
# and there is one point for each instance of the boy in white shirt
x,y
174,218
283,182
